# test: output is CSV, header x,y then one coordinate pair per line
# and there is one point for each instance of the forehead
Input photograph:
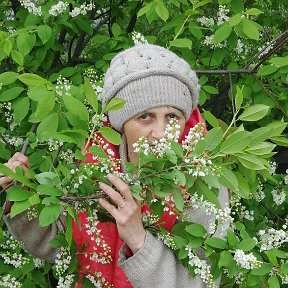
x,y
162,109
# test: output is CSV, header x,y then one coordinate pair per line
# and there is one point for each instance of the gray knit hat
x,y
148,76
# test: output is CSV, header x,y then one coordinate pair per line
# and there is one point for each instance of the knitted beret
x,y
148,76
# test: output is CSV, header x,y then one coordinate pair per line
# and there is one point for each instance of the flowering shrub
x,y
53,55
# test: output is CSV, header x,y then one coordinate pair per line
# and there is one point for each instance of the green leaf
x,y
228,179
210,89
98,151
216,242
114,104
180,242
84,24
244,189
21,109
47,125
32,79
16,193
7,78
161,10
250,29
253,12
7,172
254,112
181,43
235,143
204,190
47,178
144,10
232,239
17,57
212,139
116,29
282,141
235,20
222,33
238,97
265,269
211,119
267,70
261,148
100,39
196,230
49,214
273,282
178,199
226,259
76,108
68,231
49,190
11,93
179,177
19,207
110,135
7,47
247,244
251,162
44,33
279,61
25,42
90,95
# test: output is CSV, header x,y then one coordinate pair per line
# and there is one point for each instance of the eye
x,y
144,116
172,116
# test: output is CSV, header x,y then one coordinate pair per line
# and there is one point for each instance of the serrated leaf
x,y
228,179
261,148
254,112
161,10
116,29
211,119
47,125
49,190
76,108
238,97
253,11
196,230
16,193
222,33
49,214
181,43
7,172
98,151
251,162
233,145
90,95
7,78
279,61
19,207
178,199
247,244
267,70
25,42
273,282
216,242
11,93
250,29
20,109
235,20
44,33
32,79
110,135
114,104
17,57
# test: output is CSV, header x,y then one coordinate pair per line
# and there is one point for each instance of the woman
x,y
157,86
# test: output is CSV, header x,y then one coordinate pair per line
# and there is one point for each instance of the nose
x,y
158,130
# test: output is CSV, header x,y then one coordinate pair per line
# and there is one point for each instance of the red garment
x,y
114,276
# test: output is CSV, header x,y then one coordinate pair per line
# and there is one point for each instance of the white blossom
x,y
58,8
246,261
279,196
8,281
31,7
138,38
272,238
205,21
222,15
83,9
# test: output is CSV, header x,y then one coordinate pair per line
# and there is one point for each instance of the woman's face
x,y
150,124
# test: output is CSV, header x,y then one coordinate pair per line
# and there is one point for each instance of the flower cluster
x,y
205,21
222,216
138,38
58,8
102,251
279,196
167,239
65,281
9,281
98,280
83,9
62,261
240,210
222,15
272,238
12,252
246,261
31,7
259,195
201,268
209,41
54,145
62,87
95,80
68,156
194,135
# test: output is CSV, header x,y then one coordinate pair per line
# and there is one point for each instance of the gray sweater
x,y
154,265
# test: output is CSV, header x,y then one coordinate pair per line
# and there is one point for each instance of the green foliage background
x,y
246,59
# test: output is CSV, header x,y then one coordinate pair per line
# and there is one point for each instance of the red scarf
x,y
109,274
